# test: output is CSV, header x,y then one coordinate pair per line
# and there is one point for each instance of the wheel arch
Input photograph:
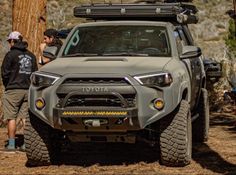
x,y
185,92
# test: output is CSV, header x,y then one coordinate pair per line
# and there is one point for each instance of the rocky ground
x,y
217,156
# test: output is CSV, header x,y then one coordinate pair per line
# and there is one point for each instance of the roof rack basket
x,y
180,11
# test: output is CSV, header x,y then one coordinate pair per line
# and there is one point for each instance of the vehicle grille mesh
x,y
119,86
118,81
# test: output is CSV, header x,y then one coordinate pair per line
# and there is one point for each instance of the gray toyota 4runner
x,y
134,76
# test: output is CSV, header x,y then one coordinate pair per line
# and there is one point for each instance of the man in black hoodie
x,y
17,66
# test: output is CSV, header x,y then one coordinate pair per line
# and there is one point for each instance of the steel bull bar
x,y
96,118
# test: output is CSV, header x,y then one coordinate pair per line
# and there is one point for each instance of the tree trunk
x,y
29,18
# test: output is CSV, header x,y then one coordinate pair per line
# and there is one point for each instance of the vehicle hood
x,y
106,65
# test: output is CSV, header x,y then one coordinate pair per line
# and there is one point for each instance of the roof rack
x,y
168,10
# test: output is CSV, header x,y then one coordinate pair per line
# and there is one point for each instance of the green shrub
x,y
230,40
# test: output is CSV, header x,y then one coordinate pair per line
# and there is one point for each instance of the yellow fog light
x,y
158,103
40,103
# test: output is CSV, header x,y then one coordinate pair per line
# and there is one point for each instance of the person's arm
x,y
35,65
6,69
43,60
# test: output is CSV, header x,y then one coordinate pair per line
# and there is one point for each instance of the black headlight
x,y
160,79
43,80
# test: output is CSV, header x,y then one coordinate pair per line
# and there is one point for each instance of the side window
x,y
183,37
188,35
178,41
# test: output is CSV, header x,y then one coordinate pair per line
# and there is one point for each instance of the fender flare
x,y
184,92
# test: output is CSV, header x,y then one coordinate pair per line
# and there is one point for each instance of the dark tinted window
x,y
116,40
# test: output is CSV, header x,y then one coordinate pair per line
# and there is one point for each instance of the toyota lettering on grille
x,y
95,89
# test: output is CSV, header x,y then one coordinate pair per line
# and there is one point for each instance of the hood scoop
x,y
106,59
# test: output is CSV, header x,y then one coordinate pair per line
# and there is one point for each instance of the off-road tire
x,y
176,137
201,124
40,149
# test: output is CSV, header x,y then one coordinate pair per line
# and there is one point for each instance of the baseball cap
x,y
14,35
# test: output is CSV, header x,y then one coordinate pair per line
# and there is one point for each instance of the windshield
x,y
117,41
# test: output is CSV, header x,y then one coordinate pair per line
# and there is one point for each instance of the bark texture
x,y
29,18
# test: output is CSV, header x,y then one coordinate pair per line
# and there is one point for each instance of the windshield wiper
x,y
81,55
124,54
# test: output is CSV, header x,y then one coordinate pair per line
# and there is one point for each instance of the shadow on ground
x,y
125,154
207,157
224,119
211,160
106,154
87,154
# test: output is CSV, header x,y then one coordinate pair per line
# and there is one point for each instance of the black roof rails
x,y
168,11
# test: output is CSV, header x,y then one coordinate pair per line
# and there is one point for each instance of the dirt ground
x,y
217,156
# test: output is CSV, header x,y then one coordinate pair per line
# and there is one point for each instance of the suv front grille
x,y
91,92
93,100
93,81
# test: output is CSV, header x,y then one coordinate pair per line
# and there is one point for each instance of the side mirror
x,y
190,52
50,52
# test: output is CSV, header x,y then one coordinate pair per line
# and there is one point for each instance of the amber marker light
x,y
40,103
158,103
